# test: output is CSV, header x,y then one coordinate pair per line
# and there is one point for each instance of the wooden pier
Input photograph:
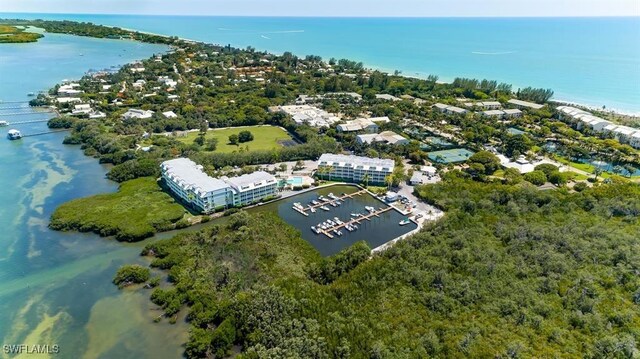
x,y
356,220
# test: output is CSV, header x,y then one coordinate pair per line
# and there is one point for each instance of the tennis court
x,y
450,156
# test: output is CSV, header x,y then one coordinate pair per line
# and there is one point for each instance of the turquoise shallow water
x,y
593,61
55,287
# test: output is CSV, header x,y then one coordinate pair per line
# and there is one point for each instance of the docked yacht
x,y
404,222
4,123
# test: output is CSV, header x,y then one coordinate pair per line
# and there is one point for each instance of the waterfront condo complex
x,y
354,168
188,181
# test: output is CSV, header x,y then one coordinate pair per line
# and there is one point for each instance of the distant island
x,y
535,255
14,34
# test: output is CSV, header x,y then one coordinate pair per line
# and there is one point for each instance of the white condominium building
x,y
188,181
354,168
252,187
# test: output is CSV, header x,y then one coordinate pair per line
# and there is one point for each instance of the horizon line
x,y
340,16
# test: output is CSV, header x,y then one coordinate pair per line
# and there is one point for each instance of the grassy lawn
x,y
138,210
264,138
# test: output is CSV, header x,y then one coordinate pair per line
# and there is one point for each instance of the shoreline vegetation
x,y
510,270
139,209
13,35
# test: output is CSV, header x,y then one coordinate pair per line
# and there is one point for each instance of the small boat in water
x,y
314,202
4,123
404,222
356,215
370,209
14,135
325,208
313,210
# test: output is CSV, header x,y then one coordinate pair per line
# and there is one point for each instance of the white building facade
x,y
187,180
354,168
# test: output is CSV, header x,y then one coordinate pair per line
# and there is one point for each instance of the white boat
x,y
298,205
332,196
313,210
356,215
4,123
404,222
314,202
14,135
333,204
325,208
370,209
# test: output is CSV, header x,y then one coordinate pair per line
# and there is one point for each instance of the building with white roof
x,y
251,188
136,113
634,140
354,168
387,97
524,104
310,115
169,114
188,181
367,125
97,114
452,110
487,105
583,119
169,82
68,99
509,113
388,137
82,109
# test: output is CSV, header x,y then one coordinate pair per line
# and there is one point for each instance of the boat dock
x,y
5,114
25,122
44,133
357,220
328,201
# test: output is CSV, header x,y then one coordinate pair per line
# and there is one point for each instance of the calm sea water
x,y
55,287
594,61
376,232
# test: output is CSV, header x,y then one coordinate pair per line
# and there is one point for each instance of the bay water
x,y
55,287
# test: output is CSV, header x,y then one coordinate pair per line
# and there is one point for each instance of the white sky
x,y
412,8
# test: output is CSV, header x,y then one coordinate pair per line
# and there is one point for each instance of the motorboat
x,y
404,222
325,208
4,123
313,210
370,209
14,135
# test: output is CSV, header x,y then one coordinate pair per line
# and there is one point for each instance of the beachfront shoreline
x,y
419,75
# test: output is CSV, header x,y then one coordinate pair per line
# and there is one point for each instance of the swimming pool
x,y
295,181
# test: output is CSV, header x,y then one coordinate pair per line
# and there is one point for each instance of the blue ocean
x,y
592,61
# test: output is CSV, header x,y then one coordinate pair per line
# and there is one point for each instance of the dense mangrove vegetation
x,y
138,210
510,271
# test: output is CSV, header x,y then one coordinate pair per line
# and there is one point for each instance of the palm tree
x,y
366,179
388,180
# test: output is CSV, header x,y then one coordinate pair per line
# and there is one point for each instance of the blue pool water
x,y
295,181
